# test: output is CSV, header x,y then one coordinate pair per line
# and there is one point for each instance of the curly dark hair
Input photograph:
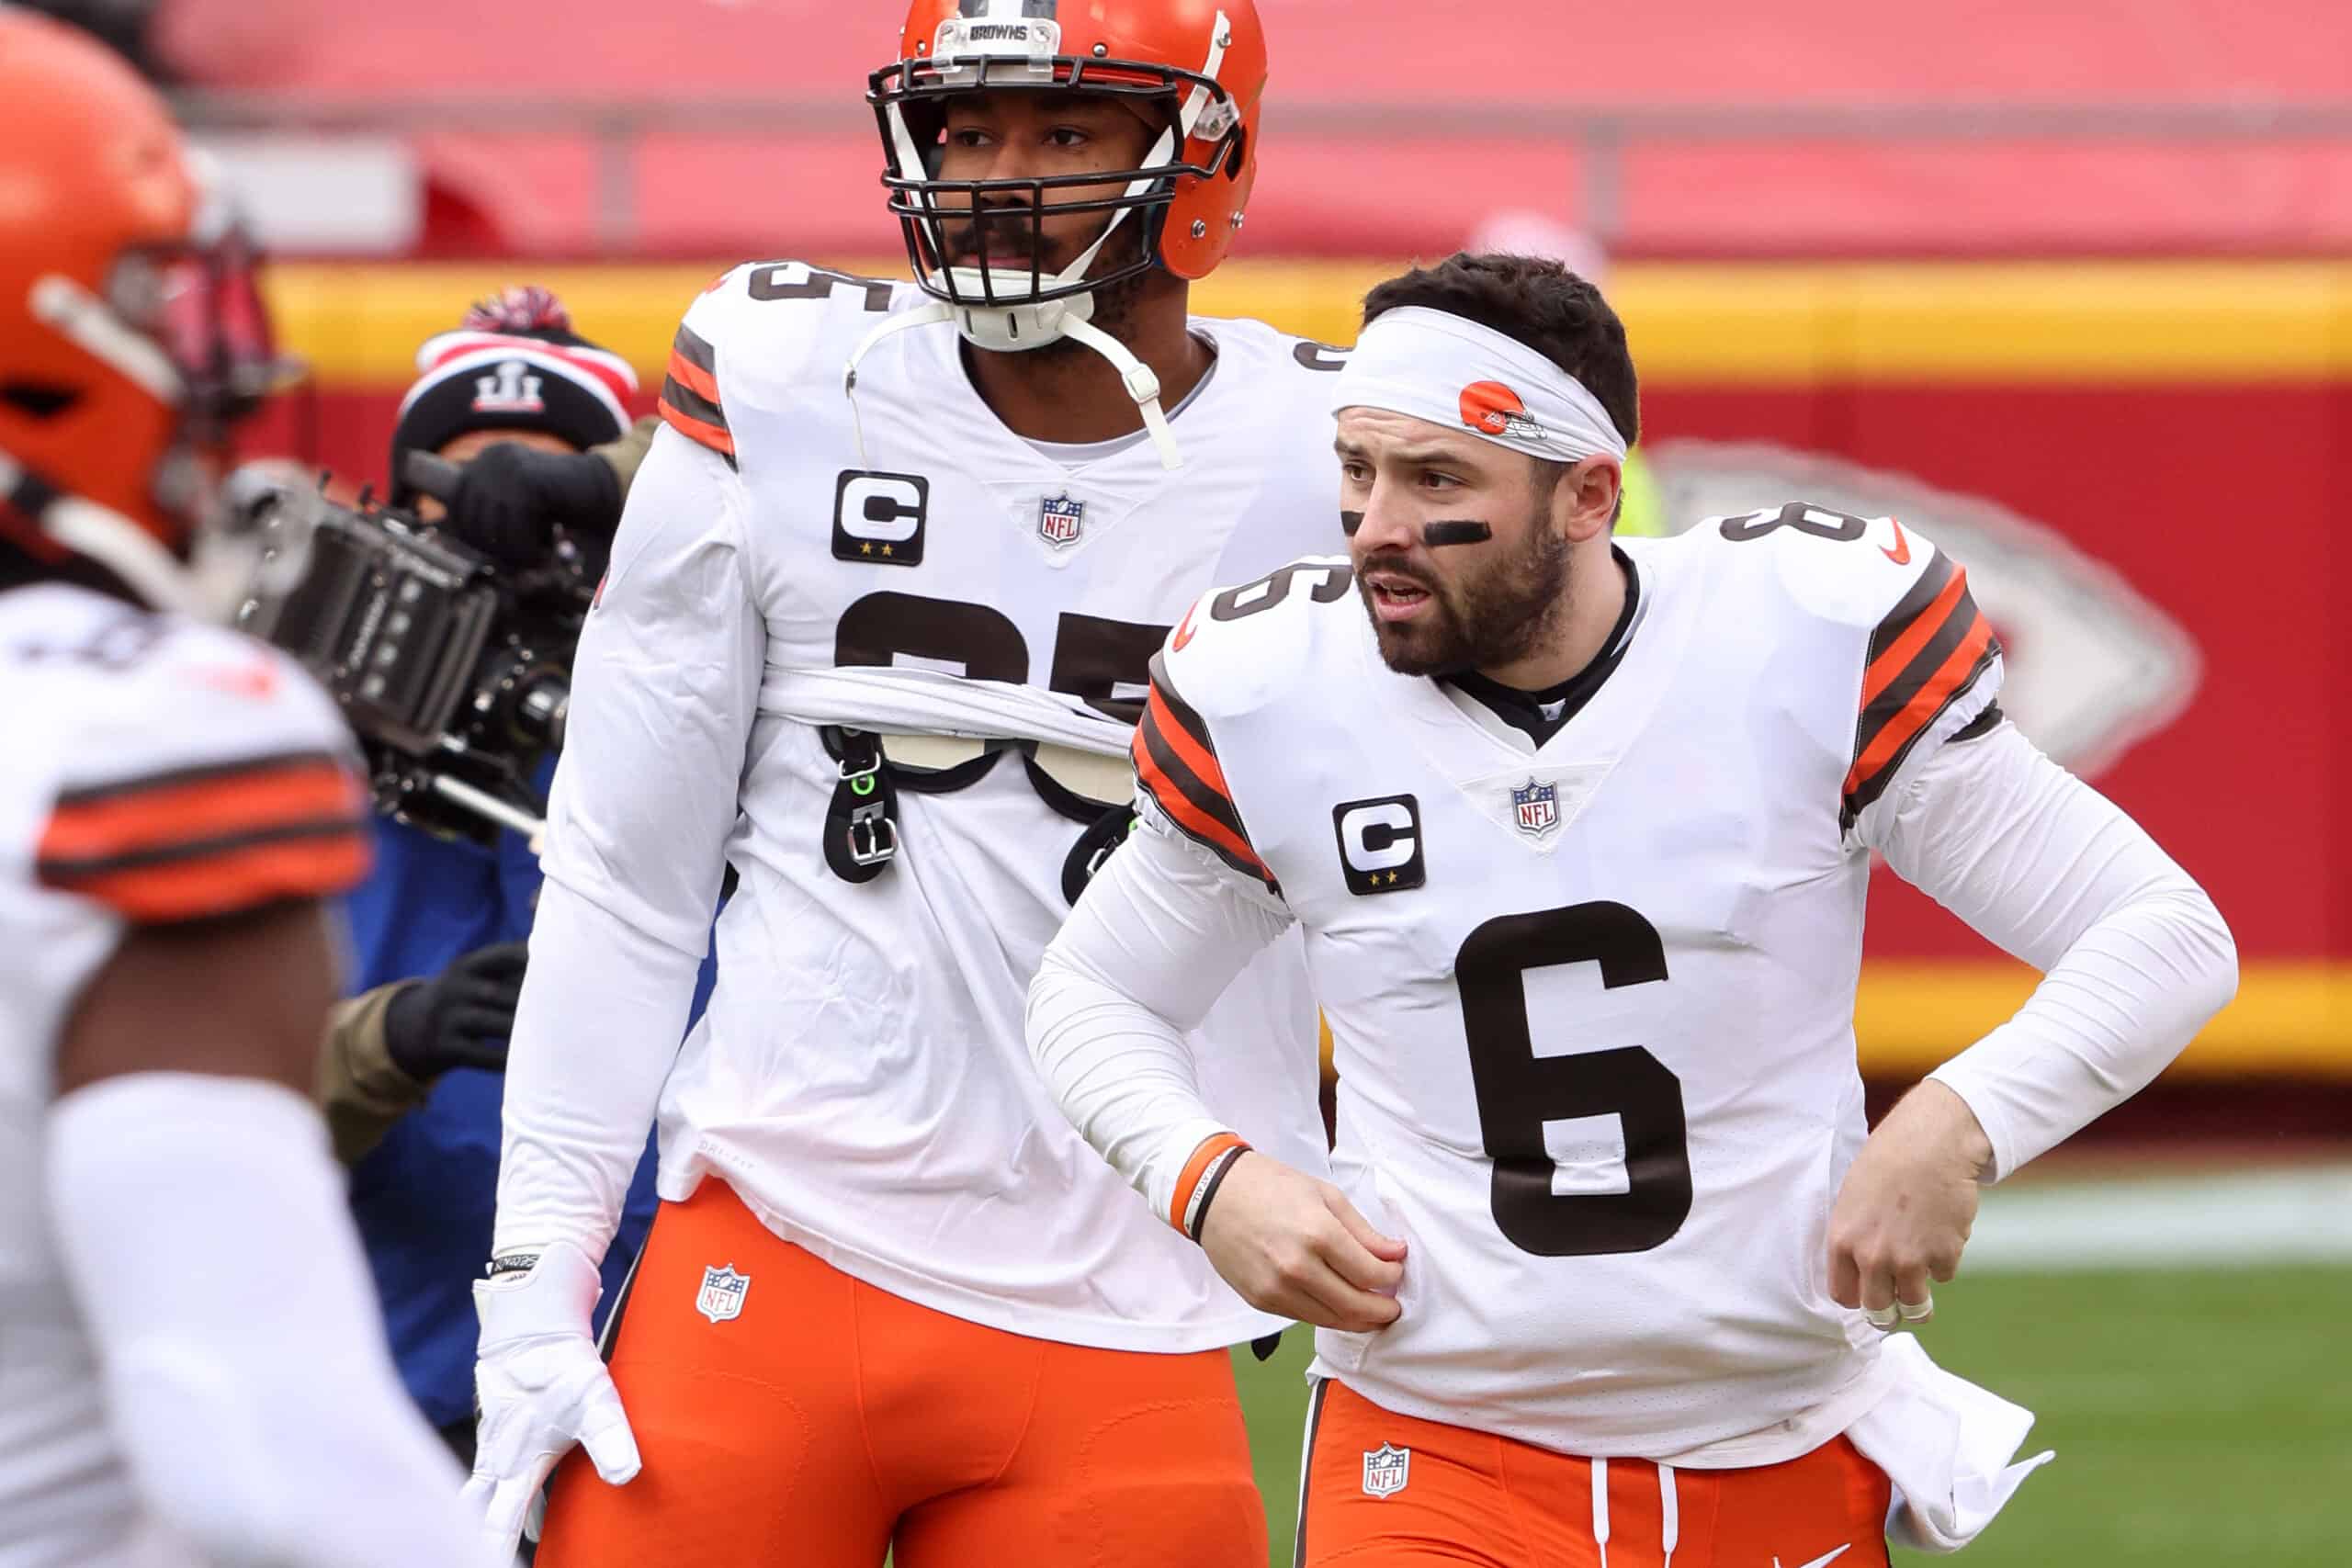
x,y
1541,304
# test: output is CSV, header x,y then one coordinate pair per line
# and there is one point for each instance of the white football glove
x,y
542,1387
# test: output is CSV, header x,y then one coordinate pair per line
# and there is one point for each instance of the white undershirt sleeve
x,y
1162,930
664,689
206,1234
2135,958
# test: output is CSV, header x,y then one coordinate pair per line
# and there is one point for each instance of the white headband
x,y
1432,366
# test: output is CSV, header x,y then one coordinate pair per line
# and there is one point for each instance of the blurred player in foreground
x,y
880,649
1578,834
191,1366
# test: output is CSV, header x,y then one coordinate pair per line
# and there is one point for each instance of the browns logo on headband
x,y
514,363
1452,372
1492,408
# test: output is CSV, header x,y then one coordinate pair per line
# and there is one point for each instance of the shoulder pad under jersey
x,y
1235,650
1237,647
1291,380
762,334
199,772
1828,564
1922,650
1304,363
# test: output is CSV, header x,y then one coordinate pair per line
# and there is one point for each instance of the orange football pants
x,y
827,1421
1389,1491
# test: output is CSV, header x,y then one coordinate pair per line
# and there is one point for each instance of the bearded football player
x,y
875,636
1579,832
191,1366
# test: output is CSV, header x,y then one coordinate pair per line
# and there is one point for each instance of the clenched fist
x,y
1904,1210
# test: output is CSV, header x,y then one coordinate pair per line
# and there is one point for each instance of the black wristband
x,y
1208,1188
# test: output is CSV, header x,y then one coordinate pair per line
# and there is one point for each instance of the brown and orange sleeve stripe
x,y
1928,650
199,843
1178,765
690,395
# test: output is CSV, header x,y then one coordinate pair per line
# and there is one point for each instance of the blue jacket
x,y
424,1197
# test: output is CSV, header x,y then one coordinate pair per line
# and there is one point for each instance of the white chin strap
x,y
1070,316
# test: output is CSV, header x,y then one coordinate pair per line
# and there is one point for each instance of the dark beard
x,y
1497,617
961,241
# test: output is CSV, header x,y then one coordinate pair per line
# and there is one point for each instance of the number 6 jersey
x,y
1592,1000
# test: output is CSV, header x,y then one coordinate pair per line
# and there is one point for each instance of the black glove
x,y
460,1018
510,496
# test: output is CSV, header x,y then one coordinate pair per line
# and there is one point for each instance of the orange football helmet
x,y
1198,66
131,334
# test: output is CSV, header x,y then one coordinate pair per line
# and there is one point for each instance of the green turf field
x,y
2200,1417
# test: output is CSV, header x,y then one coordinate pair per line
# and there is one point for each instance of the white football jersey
x,y
860,1076
1592,1000
156,770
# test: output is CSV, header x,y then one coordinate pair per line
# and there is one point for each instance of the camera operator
x,y
518,486
409,1074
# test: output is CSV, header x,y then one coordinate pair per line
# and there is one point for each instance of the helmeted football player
x,y
191,1368
1579,833
875,636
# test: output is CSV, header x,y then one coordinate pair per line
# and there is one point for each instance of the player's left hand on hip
x,y
1902,1216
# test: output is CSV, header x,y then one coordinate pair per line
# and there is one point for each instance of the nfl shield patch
x,y
1060,520
1537,807
721,1296
1386,1469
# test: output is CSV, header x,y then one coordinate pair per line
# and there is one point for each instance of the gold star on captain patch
x,y
1392,879
885,549
865,549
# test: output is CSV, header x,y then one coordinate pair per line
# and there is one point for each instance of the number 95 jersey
x,y
1592,1000
860,1078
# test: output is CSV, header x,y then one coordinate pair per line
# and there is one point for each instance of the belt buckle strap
x,y
873,837
861,835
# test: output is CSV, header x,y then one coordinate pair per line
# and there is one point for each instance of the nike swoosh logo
x,y
1900,556
1184,632
1826,1561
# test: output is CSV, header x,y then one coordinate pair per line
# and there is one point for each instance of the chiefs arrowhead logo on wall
x,y
2092,667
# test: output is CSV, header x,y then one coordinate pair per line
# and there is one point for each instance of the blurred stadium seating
x,y
1809,127
2068,287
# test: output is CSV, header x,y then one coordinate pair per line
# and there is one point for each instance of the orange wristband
x,y
1198,1182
